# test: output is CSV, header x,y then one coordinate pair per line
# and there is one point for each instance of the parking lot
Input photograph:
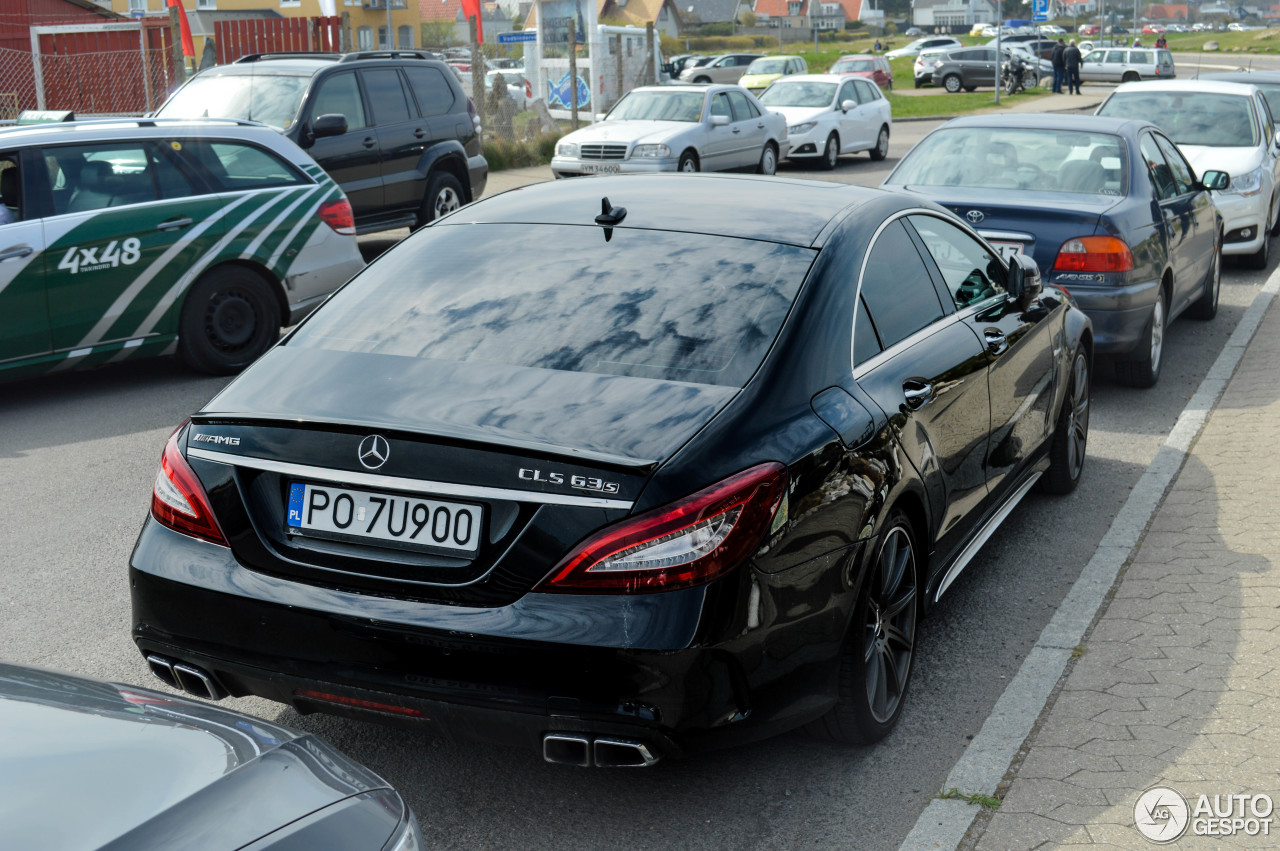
x,y
78,453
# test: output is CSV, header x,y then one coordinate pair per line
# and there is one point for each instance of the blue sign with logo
x,y
517,37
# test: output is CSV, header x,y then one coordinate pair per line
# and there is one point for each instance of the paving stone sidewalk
x,y
1178,684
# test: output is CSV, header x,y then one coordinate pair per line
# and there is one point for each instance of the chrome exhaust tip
x,y
196,682
163,669
620,753
567,749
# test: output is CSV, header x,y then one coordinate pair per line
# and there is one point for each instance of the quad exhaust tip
x,y
584,751
184,677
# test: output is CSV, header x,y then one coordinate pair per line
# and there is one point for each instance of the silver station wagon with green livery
x,y
135,237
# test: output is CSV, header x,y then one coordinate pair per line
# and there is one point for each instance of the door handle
x,y
419,133
918,392
997,343
737,130
15,252
369,142
174,224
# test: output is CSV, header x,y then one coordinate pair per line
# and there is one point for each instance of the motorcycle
x,y
1016,77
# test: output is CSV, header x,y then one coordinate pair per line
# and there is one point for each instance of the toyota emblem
x,y
974,216
374,451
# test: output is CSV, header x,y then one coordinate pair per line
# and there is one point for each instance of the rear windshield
x,y
851,66
1017,158
1190,118
673,306
767,66
798,93
270,99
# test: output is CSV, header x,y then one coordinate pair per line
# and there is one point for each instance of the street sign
x,y
522,35
1040,11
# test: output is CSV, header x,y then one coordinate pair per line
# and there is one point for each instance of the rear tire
x,y
444,195
1144,369
229,318
1071,437
952,83
876,660
881,150
768,160
1130,77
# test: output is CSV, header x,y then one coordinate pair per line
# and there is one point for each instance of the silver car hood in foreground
x,y
87,765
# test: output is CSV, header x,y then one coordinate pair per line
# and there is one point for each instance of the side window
x,y
866,344
432,90
897,288
720,106
340,95
742,108
848,92
90,177
386,96
10,189
237,166
1157,169
1140,57
866,94
1182,174
1268,122
971,272
1116,56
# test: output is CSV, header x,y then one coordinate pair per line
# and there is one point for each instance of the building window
x,y
364,38
290,4
382,39
137,5
404,35
206,4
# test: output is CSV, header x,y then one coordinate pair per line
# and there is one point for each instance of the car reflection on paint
x,y
687,475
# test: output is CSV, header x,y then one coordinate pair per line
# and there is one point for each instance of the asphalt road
x,y
78,454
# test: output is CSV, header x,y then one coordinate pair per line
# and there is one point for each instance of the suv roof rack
x,y
297,54
385,54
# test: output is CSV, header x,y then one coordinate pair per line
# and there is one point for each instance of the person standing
x,y
1071,59
1161,42
1059,65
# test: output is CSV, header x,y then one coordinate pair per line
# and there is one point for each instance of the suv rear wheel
x,y
444,195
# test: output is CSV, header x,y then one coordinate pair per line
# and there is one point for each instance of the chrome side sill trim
x,y
397,483
987,531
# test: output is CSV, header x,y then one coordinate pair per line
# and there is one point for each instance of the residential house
x,y
1167,12
698,12
953,15
663,14
494,17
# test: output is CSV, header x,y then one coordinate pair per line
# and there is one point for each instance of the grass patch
x,y
1257,41
987,802
961,103
518,153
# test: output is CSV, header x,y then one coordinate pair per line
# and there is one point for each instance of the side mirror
x,y
1024,280
1278,138
719,120
331,124
1215,180
846,105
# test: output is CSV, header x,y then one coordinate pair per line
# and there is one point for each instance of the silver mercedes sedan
x,y
677,128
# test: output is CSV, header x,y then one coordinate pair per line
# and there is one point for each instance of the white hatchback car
x,y
1224,126
831,114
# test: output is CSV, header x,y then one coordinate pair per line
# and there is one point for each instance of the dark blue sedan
x,y
1108,207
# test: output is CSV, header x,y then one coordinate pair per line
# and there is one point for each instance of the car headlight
x,y
1249,183
566,149
797,129
651,151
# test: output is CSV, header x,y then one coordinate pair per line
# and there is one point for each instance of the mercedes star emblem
x,y
974,216
374,451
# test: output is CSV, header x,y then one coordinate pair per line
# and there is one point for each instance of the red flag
x,y
472,7
188,46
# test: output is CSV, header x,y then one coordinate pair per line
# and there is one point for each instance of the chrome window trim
x,y
1007,234
929,330
399,483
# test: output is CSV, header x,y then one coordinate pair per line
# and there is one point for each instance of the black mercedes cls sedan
x,y
618,468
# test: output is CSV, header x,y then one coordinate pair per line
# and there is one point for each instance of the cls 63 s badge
x,y
584,483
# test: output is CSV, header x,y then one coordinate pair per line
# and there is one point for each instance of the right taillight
x,y
1094,254
689,542
337,215
178,499
475,116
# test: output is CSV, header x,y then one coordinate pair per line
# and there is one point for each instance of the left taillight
x,y
179,501
337,215
689,542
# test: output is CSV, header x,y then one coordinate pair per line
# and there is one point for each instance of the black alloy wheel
x,y
875,668
229,318
1071,437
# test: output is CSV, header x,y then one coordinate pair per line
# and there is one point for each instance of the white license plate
x,y
598,168
395,520
1008,249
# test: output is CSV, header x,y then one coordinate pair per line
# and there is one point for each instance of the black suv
x,y
393,128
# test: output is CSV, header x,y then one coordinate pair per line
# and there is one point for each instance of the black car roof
x,y
785,210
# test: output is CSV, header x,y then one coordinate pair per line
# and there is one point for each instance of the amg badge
x,y
216,438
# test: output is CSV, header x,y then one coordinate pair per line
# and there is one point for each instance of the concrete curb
x,y
988,758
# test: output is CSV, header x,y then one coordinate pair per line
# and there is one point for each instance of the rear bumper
x,y
1119,314
641,669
